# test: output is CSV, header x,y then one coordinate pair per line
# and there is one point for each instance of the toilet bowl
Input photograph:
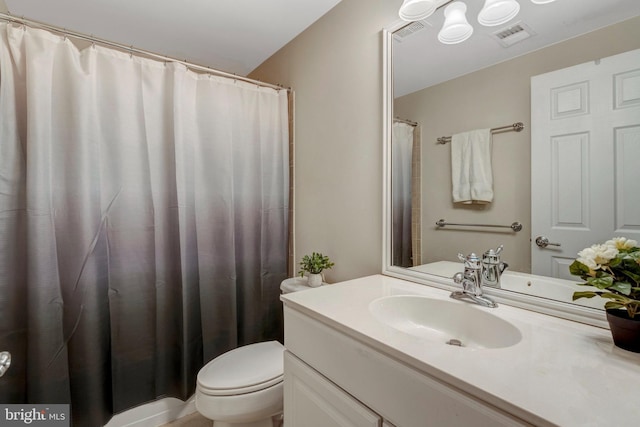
x,y
243,387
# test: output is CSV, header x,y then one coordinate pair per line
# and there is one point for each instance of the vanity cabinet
x,y
332,379
311,400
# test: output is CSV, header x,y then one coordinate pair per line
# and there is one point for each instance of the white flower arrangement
x,y
613,267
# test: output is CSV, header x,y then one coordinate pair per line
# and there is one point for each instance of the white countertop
x,y
566,373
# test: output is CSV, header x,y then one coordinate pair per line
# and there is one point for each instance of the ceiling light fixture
x,y
456,28
415,10
497,12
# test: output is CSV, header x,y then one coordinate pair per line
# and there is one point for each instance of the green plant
x,y
314,264
614,269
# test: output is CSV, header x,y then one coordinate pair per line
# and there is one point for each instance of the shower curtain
x,y
401,159
143,222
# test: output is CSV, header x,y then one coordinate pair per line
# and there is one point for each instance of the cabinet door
x,y
310,400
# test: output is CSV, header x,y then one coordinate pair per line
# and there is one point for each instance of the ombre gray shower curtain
x,y
401,164
143,222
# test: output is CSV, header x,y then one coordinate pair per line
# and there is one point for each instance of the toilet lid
x,y
243,370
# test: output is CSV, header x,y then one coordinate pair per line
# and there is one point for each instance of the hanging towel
x,y
471,173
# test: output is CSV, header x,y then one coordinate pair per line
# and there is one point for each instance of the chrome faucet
x,y
474,276
492,267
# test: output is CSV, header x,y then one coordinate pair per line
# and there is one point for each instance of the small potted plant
x,y
612,270
313,265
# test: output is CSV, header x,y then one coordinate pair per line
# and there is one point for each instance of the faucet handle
x,y
472,257
471,261
458,278
492,257
493,253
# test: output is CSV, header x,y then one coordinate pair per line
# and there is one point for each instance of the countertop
x,y
564,373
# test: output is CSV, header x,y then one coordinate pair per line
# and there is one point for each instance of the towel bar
x,y
516,226
516,127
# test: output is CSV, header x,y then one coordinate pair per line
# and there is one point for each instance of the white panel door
x,y
311,400
585,159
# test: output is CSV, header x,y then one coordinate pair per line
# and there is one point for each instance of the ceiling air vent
x,y
513,34
412,28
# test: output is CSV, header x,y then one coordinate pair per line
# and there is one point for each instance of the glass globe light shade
x,y
497,12
456,28
415,10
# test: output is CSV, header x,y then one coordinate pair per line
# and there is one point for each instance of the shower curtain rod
x,y
131,49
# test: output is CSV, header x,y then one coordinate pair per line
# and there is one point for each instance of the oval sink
x,y
444,321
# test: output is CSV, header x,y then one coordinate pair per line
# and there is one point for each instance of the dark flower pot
x,y
625,331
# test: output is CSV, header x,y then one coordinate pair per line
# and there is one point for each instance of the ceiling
x,y
418,60
230,35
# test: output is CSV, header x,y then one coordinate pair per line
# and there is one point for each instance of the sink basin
x,y
450,322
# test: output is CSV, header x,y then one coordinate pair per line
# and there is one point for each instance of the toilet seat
x,y
243,370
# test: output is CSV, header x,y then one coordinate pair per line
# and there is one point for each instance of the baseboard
x,y
154,414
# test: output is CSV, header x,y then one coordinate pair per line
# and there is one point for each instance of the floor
x,y
197,420
192,420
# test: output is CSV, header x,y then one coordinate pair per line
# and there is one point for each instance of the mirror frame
x,y
542,305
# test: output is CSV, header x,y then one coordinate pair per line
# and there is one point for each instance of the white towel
x,y
471,173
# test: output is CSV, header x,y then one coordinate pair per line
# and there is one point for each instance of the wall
x,y
495,96
335,69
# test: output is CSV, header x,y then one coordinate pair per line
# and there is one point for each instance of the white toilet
x,y
243,387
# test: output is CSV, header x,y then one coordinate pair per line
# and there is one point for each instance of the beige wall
x,y
335,68
492,97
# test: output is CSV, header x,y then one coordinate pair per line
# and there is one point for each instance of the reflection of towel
x,y
471,173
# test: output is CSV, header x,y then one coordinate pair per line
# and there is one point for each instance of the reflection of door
x,y
585,158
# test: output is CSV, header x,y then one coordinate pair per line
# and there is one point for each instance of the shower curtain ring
x,y
131,52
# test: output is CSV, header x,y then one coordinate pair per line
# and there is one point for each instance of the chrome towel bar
x,y
516,127
516,226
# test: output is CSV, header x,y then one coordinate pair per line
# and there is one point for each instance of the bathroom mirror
x,y
485,82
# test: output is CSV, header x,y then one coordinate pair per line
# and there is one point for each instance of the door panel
x,y
585,151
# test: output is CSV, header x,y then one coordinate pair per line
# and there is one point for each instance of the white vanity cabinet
x,y
332,379
399,367
313,401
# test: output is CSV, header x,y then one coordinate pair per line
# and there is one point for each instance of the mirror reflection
x,y
569,71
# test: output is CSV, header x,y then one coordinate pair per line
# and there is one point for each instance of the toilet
x,y
243,387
